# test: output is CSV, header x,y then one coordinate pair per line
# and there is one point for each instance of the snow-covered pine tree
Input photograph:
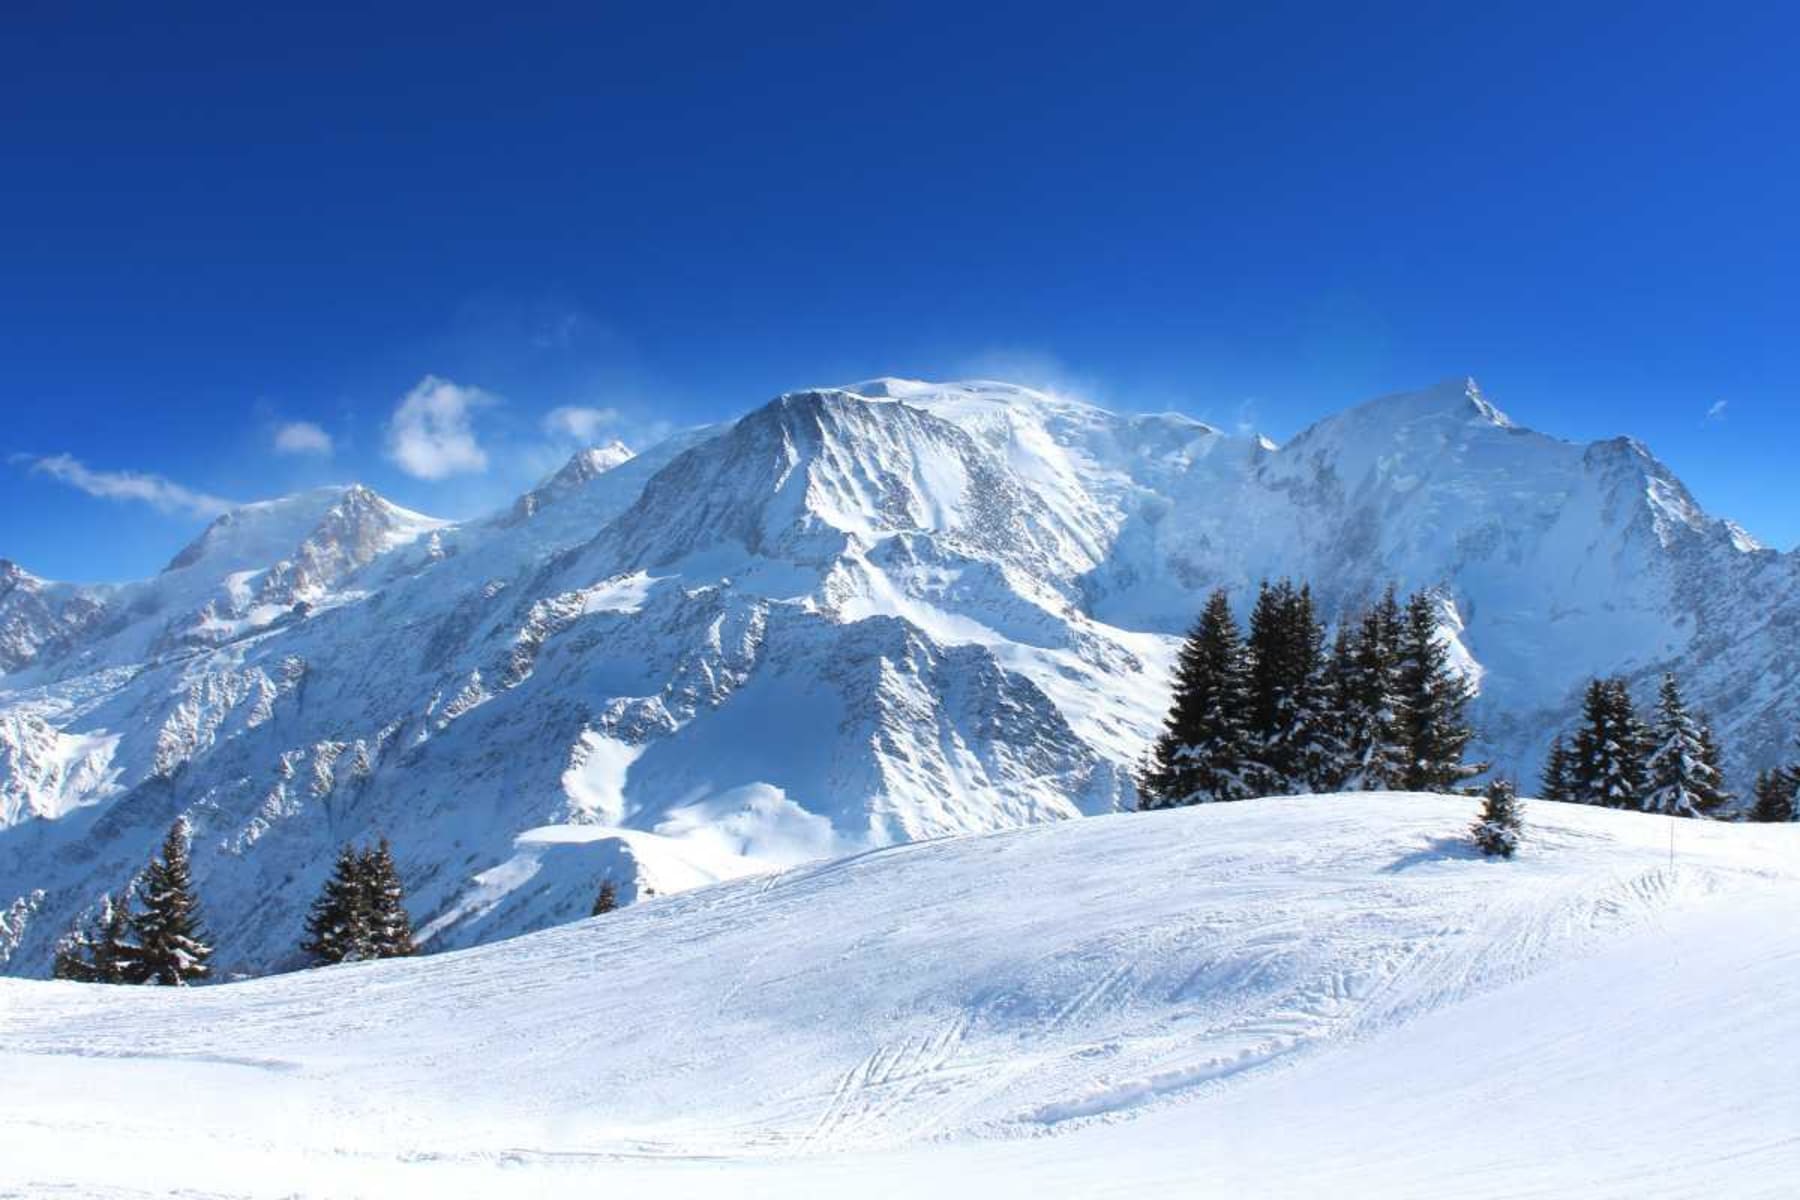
x,y
607,900
1610,749
116,955
390,926
1290,718
1720,798
1434,700
339,927
1556,785
1340,693
1497,830
74,959
97,950
172,948
1774,797
1364,695
1681,782
1201,754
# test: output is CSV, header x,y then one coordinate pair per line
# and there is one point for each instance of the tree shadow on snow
x,y
1440,849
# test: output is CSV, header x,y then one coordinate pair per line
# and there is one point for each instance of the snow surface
x,y
1292,997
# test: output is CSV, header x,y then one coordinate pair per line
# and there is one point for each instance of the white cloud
x,y
430,435
582,424
302,437
1717,411
162,494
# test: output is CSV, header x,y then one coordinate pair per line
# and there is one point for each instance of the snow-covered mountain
x,y
853,617
1323,996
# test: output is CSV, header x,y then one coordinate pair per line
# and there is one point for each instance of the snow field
x,y
1284,997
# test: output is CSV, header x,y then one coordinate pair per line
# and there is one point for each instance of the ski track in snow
x,y
1010,1014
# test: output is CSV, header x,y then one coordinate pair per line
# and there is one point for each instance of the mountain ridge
x,y
852,617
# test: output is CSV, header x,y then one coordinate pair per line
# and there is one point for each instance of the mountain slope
x,y
851,618
1287,997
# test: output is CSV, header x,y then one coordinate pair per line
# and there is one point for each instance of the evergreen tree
x,y
1718,798
75,956
172,948
1365,698
1681,782
1610,750
339,928
99,951
1434,700
608,899
1557,768
390,927
1290,718
1497,830
1200,755
1774,797
116,955
361,911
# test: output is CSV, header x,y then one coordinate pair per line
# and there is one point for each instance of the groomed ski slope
x,y
1295,997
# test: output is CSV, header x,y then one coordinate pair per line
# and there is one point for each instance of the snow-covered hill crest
x,y
853,617
1288,997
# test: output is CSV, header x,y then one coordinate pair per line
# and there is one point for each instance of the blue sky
x,y
220,225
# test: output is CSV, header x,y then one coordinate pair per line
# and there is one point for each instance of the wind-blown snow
x,y
1293,997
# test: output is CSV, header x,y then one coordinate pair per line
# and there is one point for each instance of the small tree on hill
x,y
1201,754
172,947
607,900
1497,831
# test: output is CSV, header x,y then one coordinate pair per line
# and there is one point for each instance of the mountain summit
x,y
853,617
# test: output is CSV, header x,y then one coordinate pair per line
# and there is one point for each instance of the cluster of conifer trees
x,y
361,912
1276,712
161,942
1617,759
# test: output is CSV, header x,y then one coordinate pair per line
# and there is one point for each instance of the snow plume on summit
x,y
852,617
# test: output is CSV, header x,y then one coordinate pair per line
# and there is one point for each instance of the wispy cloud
x,y
1245,423
1717,411
582,424
164,495
302,437
431,434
